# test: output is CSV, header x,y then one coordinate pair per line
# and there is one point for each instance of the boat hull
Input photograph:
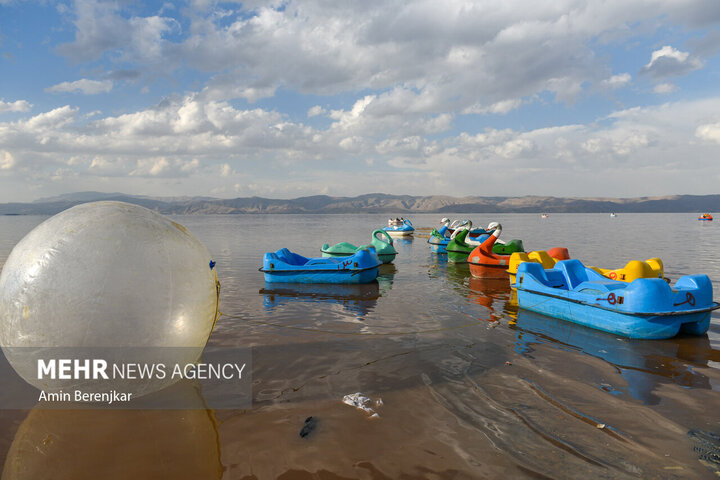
x,y
400,233
627,325
457,256
315,276
646,308
479,270
438,242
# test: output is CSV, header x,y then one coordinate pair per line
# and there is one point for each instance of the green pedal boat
x,y
459,247
382,242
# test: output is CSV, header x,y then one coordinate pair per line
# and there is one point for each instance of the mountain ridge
x,y
377,203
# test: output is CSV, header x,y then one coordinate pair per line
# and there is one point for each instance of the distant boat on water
x,y
544,215
613,215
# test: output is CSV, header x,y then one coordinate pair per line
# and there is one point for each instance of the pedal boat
x,y
474,232
285,266
439,239
404,230
646,308
547,259
484,255
460,246
381,241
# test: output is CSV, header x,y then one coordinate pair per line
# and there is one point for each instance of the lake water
x,y
470,386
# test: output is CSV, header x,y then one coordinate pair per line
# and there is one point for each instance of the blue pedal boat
x,y
404,230
439,239
647,308
285,266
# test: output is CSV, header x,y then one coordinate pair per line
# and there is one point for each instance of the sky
x,y
569,98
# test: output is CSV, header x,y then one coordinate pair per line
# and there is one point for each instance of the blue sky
x,y
614,98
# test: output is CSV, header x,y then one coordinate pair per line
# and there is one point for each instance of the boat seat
x,y
541,257
574,271
551,278
291,258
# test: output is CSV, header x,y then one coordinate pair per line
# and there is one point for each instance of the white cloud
x,y
226,170
103,27
16,106
84,85
501,107
663,88
151,167
199,146
630,142
52,120
351,143
710,131
316,111
477,57
600,159
671,62
6,160
514,148
617,81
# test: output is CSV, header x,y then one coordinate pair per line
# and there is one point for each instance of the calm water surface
x,y
471,387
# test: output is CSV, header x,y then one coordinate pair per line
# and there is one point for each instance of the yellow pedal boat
x,y
634,269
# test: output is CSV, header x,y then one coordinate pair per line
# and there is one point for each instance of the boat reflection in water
x,y
489,291
359,299
386,277
118,444
643,364
403,244
356,298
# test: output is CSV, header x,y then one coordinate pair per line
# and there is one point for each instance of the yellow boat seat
x,y
634,269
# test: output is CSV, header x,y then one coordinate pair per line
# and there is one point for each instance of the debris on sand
x,y
358,400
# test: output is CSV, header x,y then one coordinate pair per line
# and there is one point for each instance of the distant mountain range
x,y
376,203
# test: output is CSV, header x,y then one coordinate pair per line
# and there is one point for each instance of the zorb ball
x,y
108,276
